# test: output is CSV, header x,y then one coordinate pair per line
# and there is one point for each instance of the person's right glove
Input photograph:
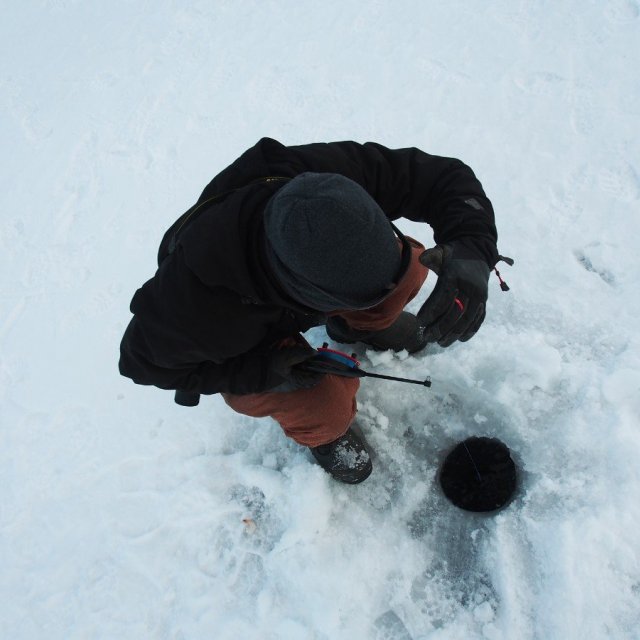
x,y
456,307
283,369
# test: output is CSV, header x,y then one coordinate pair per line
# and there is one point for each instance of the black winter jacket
x,y
207,320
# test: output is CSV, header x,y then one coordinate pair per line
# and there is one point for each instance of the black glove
x,y
456,307
286,375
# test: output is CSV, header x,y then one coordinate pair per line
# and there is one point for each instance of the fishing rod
x,y
329,361
339,363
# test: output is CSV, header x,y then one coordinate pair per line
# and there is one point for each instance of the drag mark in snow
x,y
13,317
583,113
605,274
540,83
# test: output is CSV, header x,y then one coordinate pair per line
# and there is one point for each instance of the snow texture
x,y
125,516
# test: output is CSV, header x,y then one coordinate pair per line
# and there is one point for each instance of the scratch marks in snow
x,y
622,11
25,112
540,83
389,626
620,181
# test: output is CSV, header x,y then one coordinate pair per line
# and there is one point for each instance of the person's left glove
x,y
456,307
282,367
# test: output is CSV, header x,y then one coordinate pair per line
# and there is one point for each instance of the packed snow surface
x,y
125,516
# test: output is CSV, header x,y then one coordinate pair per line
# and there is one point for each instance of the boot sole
x,y
352,478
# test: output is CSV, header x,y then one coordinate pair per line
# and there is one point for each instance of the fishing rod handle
x,y
328,368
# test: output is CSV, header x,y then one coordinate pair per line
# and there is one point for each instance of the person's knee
x,y
324,413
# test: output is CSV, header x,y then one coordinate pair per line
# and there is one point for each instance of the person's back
x,y
287,238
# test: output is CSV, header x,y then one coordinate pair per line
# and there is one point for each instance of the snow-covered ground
x,y
123,516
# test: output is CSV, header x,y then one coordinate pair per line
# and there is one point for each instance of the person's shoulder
x,y
267,143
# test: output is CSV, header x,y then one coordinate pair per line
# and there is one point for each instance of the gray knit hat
x,y
329,243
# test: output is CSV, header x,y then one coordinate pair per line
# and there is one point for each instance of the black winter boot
x,y
346,458
404,333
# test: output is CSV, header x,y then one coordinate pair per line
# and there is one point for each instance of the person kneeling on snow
x,y
289,238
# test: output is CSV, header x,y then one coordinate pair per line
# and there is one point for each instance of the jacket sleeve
x,y
443,192
247,373
173,342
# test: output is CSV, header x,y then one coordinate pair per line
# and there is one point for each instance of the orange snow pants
x,y
323,413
